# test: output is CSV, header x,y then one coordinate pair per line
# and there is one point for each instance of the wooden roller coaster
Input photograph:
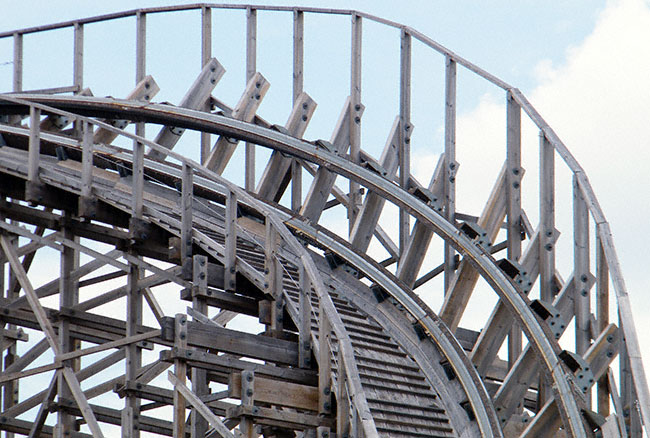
x,y
181,302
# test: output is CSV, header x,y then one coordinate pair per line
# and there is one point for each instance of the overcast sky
x,y
584,65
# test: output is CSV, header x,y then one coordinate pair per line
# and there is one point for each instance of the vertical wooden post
x,y
513,205
581,268
206,55
34,144
180,370
602,317
304,331
251,67
324,363
78,58
298,66
342,401
138,179
140,47
405,131
450,166
354,203
199,376
247,427
273,277
546,236
87,161
230,268
131,413
68,297
18,62
187,187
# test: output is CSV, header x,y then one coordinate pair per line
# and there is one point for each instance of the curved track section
x,y
272,319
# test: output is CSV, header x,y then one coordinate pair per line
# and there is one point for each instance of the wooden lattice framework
x,y
346,345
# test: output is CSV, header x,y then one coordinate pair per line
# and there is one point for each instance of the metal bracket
x,y
515,271
580,368
551,315
176,131
476,233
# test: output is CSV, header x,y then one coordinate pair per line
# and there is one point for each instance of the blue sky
x,y
584,65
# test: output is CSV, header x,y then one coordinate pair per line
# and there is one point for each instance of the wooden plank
x,y
179,376
245,109
280,418
78,55
140,46
602,317
195,98
277,392
230,257
187,196
206,55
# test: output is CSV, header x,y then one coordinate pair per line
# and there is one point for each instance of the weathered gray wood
x,y
206,55
466,276
272,182
602,317
195,98
368,216
43,410
247,394
251,68
323,181
187,196
298,80
355,120
450,166
405,131
224,148
305,312
198,405
581,270
413,255
78,55
324,363
18,62
140,46
616,402
144,90
230,259
180,372
34,145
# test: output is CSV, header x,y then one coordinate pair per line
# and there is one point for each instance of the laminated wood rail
x,y
186,303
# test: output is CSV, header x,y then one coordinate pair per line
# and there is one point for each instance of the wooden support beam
x,y
323,181
245,382
466,277
355,111
245,109
368,216
18,62
144,91
298,65
582,275
230,257
274,179
450,167
602,317
206,55
324,363
412,256
275,392
405,132
198,405
43,410
187,197
78,55
251,68
304,326
180,372
548,420
140,46
195,98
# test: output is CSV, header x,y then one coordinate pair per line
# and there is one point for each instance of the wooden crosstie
x,y
182,303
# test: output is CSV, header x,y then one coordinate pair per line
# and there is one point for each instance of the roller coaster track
x,y
295,328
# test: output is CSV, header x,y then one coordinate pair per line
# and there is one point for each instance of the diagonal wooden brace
x,y
245,110
368,215
195,98
464,281
277,172
145,90
323,182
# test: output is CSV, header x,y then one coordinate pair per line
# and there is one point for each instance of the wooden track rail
x,y
186,304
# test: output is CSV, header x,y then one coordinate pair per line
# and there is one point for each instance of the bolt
x,y
326,391
357,107
584,293
305,106
249,377
202,275
515,171
548,247
182,336
515,185
258,84
584,278
213,81
357,119
249,392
